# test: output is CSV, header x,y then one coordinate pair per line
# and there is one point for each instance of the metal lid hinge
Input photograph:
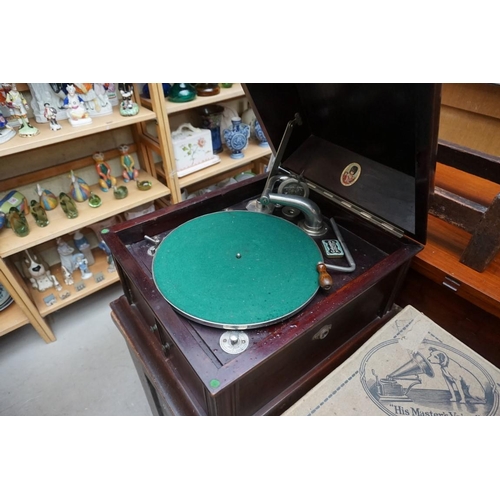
x,y
358,211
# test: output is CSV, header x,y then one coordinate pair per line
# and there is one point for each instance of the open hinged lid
x,y
370,147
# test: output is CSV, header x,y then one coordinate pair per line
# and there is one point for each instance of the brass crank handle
x,y
324,279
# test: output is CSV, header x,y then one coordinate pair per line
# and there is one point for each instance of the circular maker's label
x,y
350,174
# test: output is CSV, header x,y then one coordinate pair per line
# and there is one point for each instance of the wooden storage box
x,y
390,131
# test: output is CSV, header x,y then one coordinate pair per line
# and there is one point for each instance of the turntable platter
x,y
237,269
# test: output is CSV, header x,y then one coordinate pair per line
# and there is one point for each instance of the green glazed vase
x,y
182,92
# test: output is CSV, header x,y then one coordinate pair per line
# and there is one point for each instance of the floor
x,y
87,371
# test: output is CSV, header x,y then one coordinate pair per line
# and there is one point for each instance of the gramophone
x,y
388,389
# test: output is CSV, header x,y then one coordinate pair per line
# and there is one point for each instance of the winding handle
x,y
325,280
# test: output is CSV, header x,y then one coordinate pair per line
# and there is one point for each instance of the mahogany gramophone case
x,y
226,308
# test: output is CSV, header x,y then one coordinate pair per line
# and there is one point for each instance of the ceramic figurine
x,y
79,189
12,121
6,131
101,90
99,229
83,246
81,263
47,199
106,180
130,173
71,261
17,221
237,138
68,206
109,257
39,214
95,97
259,135
14,199
112,94
67,263
38,272
51,94
19,109
128,106
50,114
89,97
77,113
68,277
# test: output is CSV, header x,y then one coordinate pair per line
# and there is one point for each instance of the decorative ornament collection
x,y
15,209
78,102
14,206
52,102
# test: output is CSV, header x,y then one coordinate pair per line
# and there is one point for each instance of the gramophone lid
x,y
372,145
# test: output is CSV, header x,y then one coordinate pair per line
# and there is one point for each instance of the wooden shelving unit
x,y
227,165
225,168
176,107
19,312
46,137
29,305
12,318
99,268
154,115
59,224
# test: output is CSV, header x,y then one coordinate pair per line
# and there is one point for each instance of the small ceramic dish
x,y
120,192
144,185
94,200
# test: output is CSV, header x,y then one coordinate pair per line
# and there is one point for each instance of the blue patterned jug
x,y
237,138
260,136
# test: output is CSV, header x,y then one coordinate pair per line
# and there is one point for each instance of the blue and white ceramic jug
x,y
259,134
237,137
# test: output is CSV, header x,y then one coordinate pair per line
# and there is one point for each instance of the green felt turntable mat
x,y
237,269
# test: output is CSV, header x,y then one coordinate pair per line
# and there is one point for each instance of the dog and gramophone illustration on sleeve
x,y
425,375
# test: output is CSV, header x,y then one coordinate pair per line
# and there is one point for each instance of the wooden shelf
x,y
91,285
47,137
224,95
252,153
12,318
440,258
30,307
60,225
